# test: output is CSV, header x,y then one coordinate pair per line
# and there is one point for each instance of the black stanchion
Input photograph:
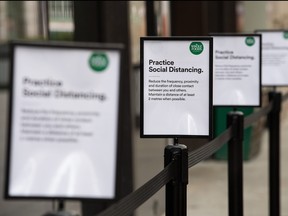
x,y
176,189
60,210
235,163
274,154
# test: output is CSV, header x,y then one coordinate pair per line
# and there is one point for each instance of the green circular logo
x,y
98,62
196,48
285,34
250,41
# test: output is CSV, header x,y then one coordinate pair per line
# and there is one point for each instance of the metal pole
x,y
44,15
151,20
235,163
176,189
274,154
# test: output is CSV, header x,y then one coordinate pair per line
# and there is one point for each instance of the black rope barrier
x,y
4,87
209,148
285,97
249,120
132,201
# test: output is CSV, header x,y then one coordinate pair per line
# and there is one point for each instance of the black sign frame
x,y
120,120
258,31
210,97
260,65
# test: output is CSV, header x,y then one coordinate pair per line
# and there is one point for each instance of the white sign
x,y
237,70
64,122
274,58
176,85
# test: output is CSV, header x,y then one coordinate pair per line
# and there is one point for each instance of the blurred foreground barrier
x,y
178,161
274,154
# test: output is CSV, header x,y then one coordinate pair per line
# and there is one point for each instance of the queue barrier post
x,y
176,189
274,153
235,119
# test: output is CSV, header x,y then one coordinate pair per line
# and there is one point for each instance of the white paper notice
x,y
237,69
274,58
176,87
64,122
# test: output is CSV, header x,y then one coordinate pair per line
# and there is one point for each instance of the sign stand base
x,y
60,213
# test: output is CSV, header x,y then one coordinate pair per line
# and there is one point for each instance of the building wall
x,y
3,21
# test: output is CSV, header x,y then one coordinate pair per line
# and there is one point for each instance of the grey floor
x,y
207,189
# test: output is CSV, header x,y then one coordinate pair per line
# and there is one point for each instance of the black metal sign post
x,y
176,189
235,163
176,102
274,154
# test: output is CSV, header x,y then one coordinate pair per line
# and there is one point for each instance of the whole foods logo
x,y
196,48
250,41
98,62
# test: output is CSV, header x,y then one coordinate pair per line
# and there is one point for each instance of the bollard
x,y
274,154
176,189
235,164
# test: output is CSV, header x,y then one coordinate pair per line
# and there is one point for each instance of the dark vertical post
x,y
176,189
211,16
108,22
61,205
87,21
235,164
274,154
116,29
151,20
